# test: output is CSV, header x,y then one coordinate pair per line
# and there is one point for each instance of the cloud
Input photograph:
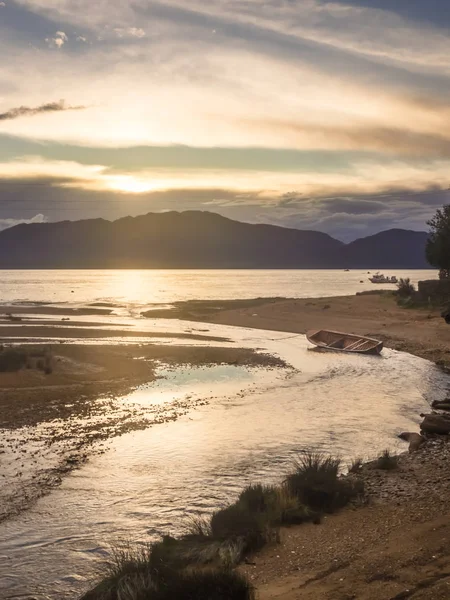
x,y
58,197
2,4
357,134
136,32
58,41
354,115
26,111
7,223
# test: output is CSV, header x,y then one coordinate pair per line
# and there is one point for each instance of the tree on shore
x,y
438,244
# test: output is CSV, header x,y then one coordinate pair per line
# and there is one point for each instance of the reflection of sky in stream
x,y
193,382
151,481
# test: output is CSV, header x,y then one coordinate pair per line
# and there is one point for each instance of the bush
x,y
316,483
245,526
219,584
140,575
197,565
405,289
387,461
238,523
12,359
129,576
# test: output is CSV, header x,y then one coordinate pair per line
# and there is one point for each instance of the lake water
x,y
255,422
143,287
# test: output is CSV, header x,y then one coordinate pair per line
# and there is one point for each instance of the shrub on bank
x,y
356,465
405,289
197,565
317,484
12,359
142,576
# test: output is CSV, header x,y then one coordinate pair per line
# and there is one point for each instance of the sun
x,y
131,185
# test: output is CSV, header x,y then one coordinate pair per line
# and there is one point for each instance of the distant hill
x,y
195,239
394,248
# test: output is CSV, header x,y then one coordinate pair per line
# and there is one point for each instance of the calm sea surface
x,y
142,287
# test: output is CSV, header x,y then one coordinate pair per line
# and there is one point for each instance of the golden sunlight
x,y
131,185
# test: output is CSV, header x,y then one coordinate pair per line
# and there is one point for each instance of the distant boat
x,y
344,342
380,278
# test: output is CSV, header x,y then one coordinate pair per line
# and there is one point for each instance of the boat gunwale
x,y
376,347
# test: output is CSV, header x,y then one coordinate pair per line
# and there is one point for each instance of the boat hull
x,y
336,341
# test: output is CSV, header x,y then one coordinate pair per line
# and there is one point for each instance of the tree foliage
x,y
438,245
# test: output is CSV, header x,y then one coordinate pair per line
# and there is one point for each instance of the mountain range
x,y
199,240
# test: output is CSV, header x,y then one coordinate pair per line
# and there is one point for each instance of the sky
x,y
332,116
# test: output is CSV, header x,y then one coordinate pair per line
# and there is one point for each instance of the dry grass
x,y
387,461
317,484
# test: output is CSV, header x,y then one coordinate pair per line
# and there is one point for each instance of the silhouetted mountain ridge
x,y
196,239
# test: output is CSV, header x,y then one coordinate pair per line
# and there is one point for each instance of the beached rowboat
x,y
344,342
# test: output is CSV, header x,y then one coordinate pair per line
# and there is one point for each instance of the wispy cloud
x,y
135,32
26,111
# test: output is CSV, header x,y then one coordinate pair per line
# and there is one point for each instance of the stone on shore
x,y
441,404
434,423
415,440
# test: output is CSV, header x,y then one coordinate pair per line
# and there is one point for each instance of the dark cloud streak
x,y
26,111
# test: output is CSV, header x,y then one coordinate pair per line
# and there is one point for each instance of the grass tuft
x,y
316,483
144,575
13,359
356,465
198,565
387,461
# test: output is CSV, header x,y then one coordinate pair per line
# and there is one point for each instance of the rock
x,y
415,440
441,405
436,424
